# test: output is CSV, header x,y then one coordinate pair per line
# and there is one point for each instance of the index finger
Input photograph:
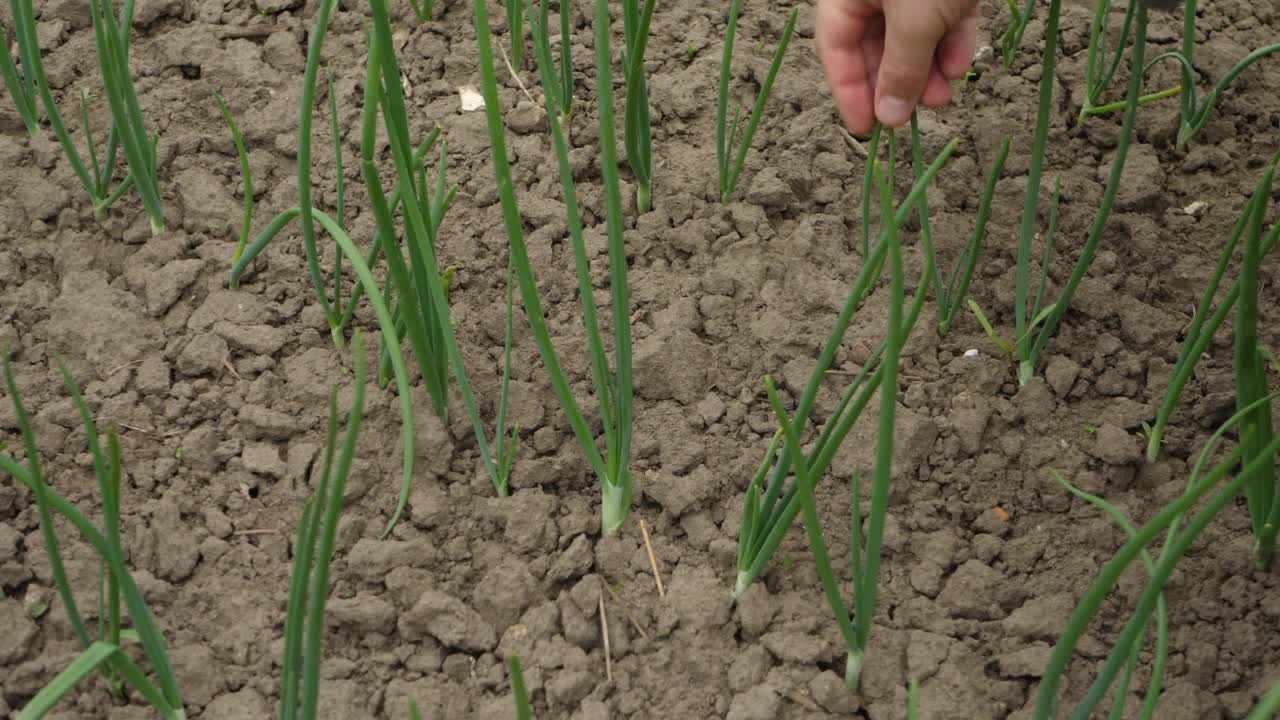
x,y
839,37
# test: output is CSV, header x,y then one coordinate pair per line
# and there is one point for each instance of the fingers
x,y
882,58
955,51
912,32
841,29
937,90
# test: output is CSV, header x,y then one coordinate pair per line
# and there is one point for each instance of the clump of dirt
x,y
219,394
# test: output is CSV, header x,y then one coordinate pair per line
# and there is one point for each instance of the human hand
x,y
882,58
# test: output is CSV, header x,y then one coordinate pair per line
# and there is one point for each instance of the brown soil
x,y
218,394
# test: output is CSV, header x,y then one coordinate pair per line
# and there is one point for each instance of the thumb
x,y
912,32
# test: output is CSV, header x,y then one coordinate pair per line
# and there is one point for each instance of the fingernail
x,y
893,111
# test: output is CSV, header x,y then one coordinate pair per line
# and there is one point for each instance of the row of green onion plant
x,y
864,562
769,512
418,284
637,134
1034,321
728,163
1178,540
128,132
613,386
119,598
125,620
1193,113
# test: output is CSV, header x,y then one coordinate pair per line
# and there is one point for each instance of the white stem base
x,y
615,503
853,670
1025,372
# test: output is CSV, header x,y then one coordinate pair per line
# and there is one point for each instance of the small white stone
x,y
1196,209
971,352
471,98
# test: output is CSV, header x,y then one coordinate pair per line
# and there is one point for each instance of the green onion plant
x,y
423,9
419,287
312,554
105,654
332,309
506,441
127,131
245,175
1251,382
1256,428
1193,114
1028,316
285,217
865,562
728,164
340,181
1036,322
112,38
1268,705
562,85
1121,695
523,710
407,316
952,294
613,387
769,513
637,132
1011,39
337,314
1101,69
515,26
20,82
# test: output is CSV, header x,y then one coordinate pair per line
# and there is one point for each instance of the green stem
x,y
1118,106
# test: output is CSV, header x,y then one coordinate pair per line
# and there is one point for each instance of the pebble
x,y
758,703
1114,446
